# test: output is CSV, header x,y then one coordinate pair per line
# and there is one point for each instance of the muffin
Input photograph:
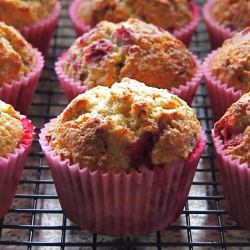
x,y
223,21
131,49
118,141
231,136
227,72
20,68
16,136
36,20
179,17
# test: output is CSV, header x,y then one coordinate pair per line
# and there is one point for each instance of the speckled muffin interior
x,y
20,13
11,129
168,14
16,55
126,126
131,49
233,14
231,64
234,128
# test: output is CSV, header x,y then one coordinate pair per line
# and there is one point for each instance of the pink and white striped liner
x,y
235,178
221,95
184,34
122,204
217,33
73,87
40,34
19,93
11,168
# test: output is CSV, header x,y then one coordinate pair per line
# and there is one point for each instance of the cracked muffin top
x,y
126,126
234,129
131,49
233,14
231,64
167,14
16,57
11,129
20,13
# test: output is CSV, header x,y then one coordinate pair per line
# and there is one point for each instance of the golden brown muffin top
x,y
131,49
231,64
21,13
11,129
167,14
233,14
234,128
16,57
126,126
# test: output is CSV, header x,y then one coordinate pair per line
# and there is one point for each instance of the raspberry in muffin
x,y
126,126
131,49
167,14
234,129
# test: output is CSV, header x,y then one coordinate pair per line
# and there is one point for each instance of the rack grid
x,y
36,220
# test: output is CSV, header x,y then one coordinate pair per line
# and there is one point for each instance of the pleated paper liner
x,y
221,95
122,204
11,168
235,178
217,33
19,93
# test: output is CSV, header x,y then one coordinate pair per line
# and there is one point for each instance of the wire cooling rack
x,y
36,221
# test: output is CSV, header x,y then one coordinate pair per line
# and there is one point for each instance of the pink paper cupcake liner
x,y
19,93
11,168
235,179
40,34
217,33
184,34
221,95
73,87
122,204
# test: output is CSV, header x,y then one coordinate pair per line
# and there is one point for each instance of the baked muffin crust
x,y
233,14
20,13
125,126
167,14
234,128
16,58
11,129
131,49
231,64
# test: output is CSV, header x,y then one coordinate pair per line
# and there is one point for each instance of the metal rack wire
x,y
36,221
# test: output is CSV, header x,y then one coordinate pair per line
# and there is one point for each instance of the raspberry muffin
x,y
118,141
16,136
35,19
20,68
131,49
227,72
178,16
224,21
231,136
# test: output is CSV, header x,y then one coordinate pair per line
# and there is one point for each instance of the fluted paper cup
x,y
11,168
19,92
125,203
235,179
